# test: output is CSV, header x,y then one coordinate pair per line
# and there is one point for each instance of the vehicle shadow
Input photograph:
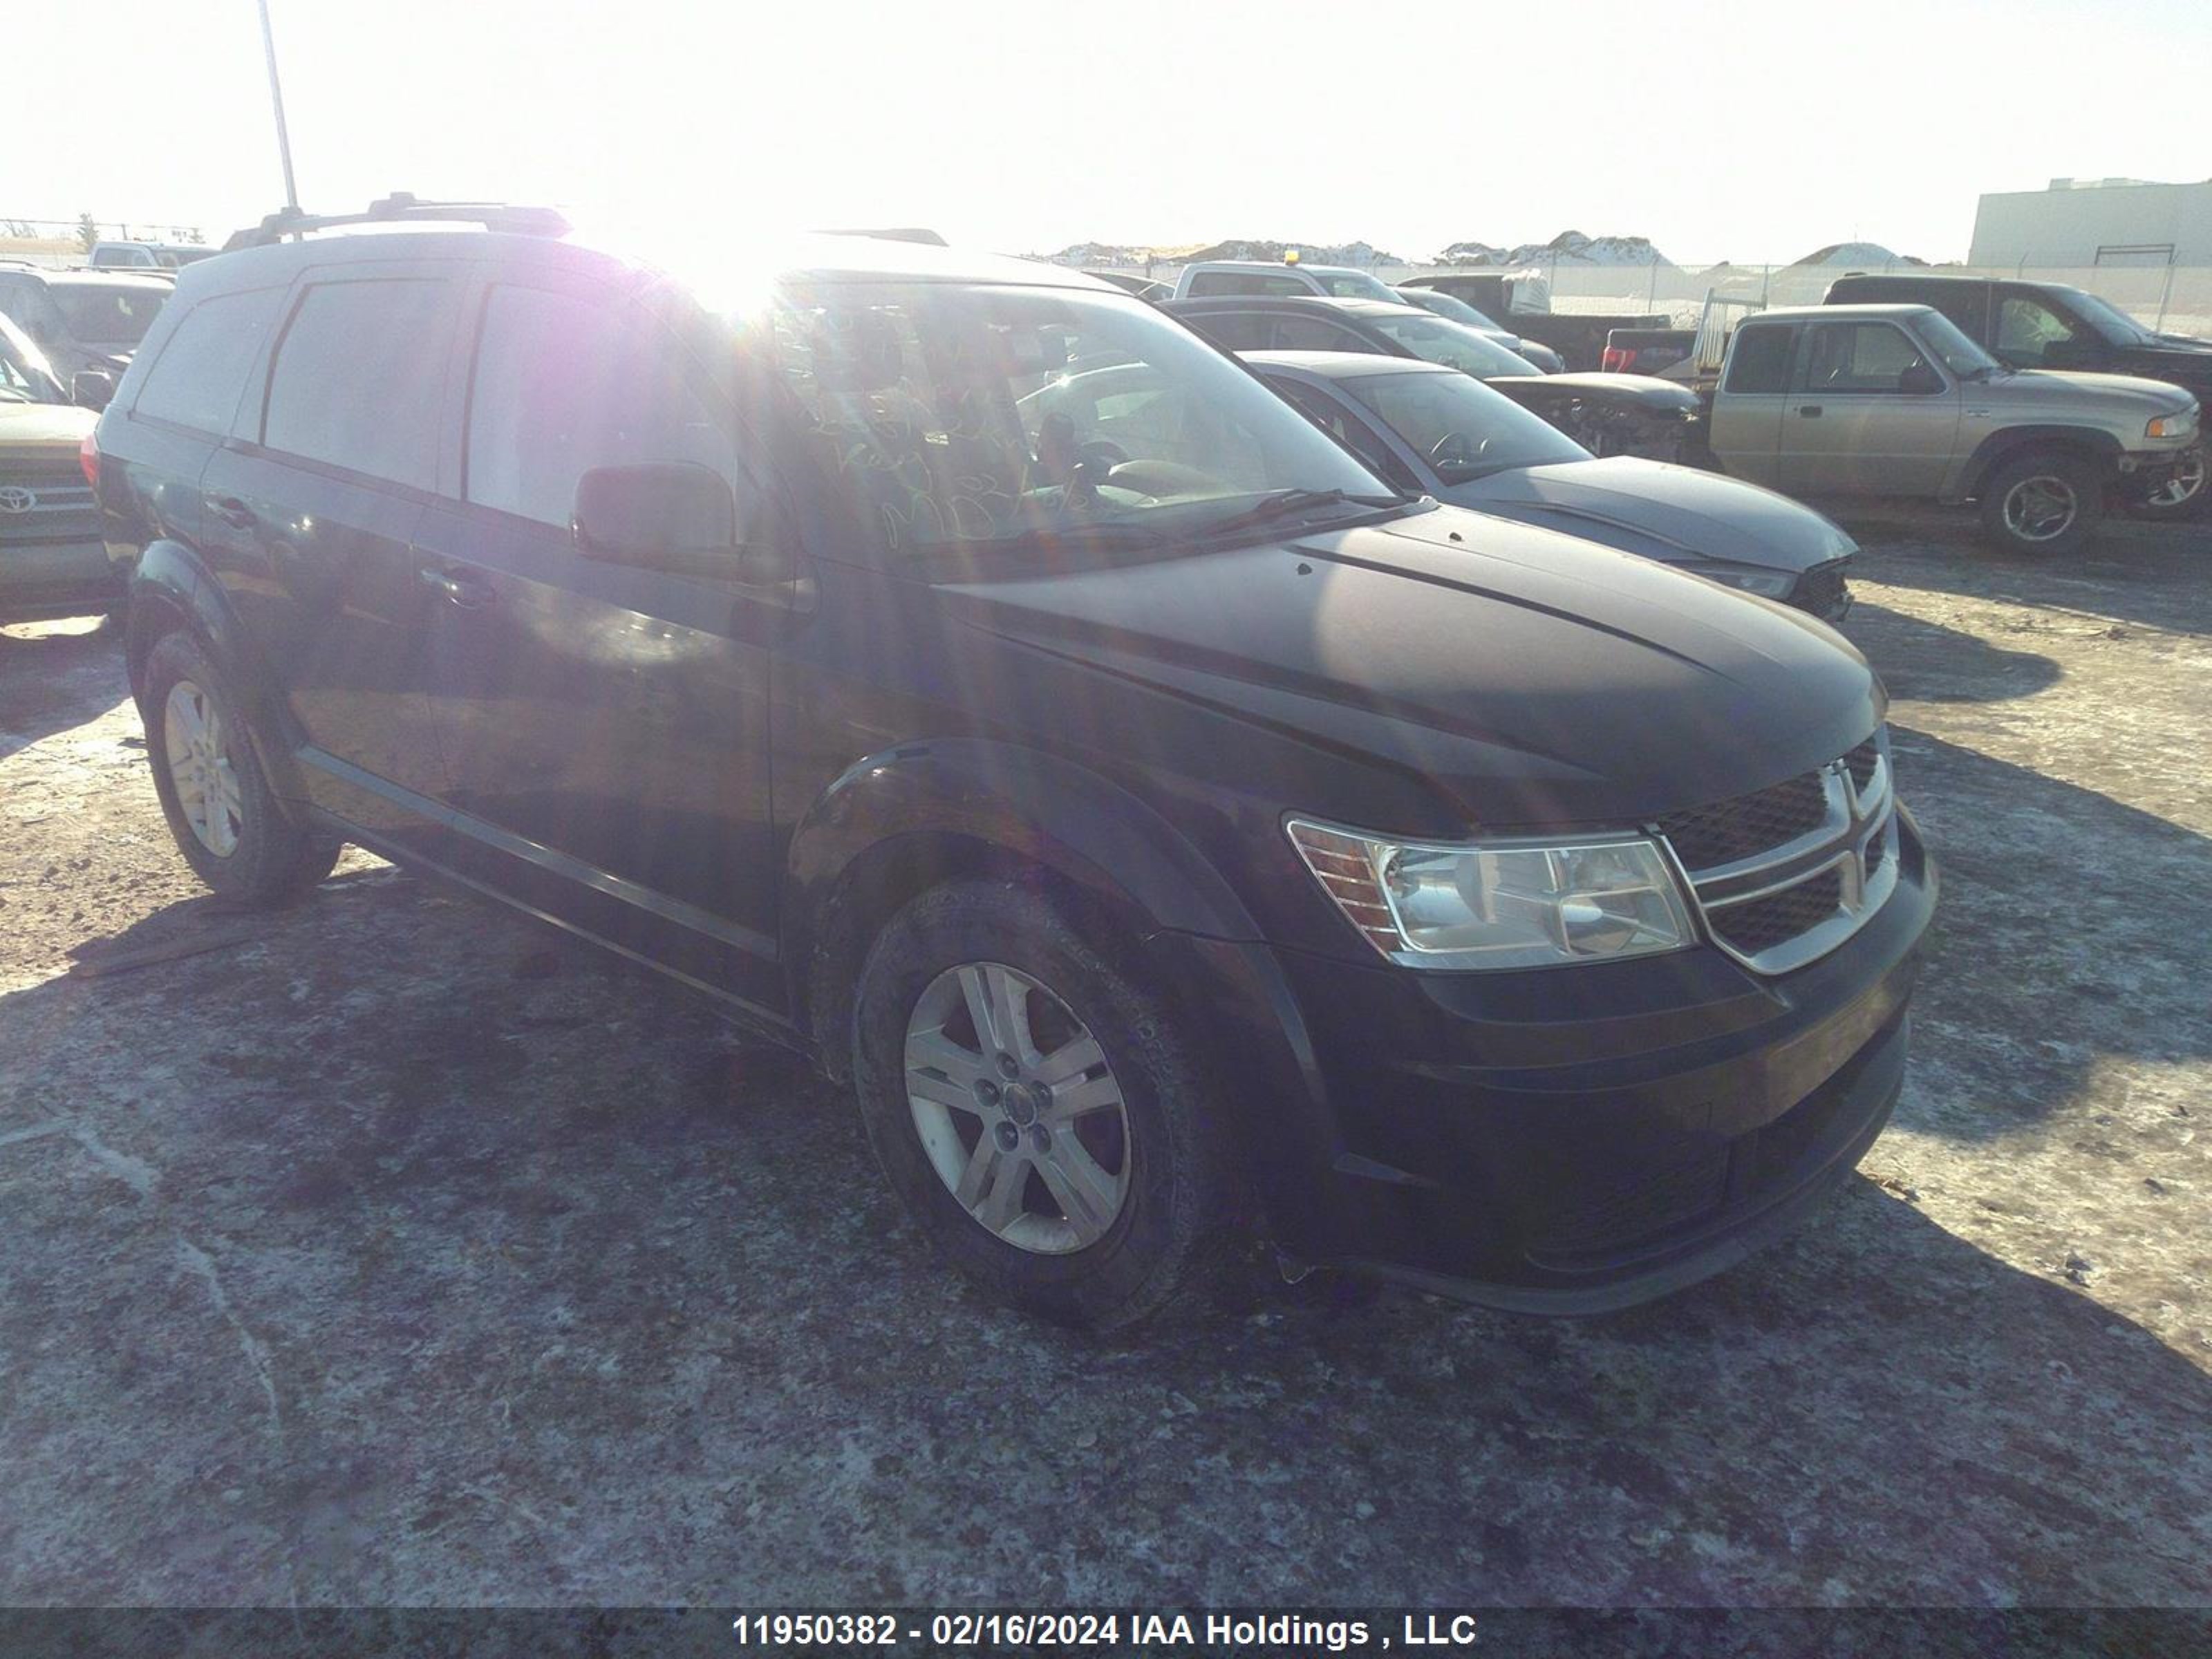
x,y
51,682
2153,575
2047,955
436,1262
1927,662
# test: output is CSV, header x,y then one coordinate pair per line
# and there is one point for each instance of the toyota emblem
x,y
14,498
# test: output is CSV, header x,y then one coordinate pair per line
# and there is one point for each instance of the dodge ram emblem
x,y
14,498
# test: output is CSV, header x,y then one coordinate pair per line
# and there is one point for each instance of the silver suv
x,y
1894,400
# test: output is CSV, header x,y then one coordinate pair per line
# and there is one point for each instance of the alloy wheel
x,y
1016,1109
208,792
2040,508
2184,486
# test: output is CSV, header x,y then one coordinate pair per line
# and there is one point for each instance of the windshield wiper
x,y
1283,503
1101,532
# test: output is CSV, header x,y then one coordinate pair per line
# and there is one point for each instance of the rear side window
x,y
1760,361
1317,334
108,314
197,380
359,375
1965,304
564,384
1245,282
1233,331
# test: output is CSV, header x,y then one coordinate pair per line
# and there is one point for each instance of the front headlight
x,y
1771,584
1501,904
2182,425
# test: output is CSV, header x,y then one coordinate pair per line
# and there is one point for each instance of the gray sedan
x,y
1427,428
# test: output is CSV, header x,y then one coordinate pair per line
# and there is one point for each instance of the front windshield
x,y
107,313
1445,306
1465,429
1960,354
971,415
2108,319
1354,285
26,377
1443,341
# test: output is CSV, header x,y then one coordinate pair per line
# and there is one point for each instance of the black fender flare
x,y
1045,811
172,590
1037,807
1993,451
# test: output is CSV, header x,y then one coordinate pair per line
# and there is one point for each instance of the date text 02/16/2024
x,y
1078,1631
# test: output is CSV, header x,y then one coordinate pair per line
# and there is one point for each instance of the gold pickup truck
x,y
52,561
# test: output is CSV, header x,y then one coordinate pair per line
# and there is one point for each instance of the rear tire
x,y
228,822
2043,502
1089,1186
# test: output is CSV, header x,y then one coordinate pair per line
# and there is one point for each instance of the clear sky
x,y
1721,131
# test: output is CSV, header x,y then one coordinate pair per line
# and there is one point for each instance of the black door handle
x,y
1810,411
233,511
460,590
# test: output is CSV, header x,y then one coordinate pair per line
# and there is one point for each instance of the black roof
x,y
1913,276
401,227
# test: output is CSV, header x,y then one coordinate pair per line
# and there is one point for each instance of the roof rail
x,y
402,208
899,233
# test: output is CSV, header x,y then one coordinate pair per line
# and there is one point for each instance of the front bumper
x,y
41,580
2148,468
1575,1139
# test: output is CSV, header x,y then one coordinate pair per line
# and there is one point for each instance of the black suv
x,y
2030,324
1172,833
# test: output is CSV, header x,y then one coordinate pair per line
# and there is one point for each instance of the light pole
x,y
277,103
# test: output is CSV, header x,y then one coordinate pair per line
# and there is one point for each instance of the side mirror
x,y
92,388
1920,381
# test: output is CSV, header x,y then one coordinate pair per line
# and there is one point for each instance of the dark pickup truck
x,y
1578,336
2031,325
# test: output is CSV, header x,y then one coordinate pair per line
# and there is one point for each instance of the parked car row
x,y
1175,826
1251,279
1608,413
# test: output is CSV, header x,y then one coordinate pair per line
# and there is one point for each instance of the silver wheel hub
x,y
197,746
1016,1109
2187,480
2040,508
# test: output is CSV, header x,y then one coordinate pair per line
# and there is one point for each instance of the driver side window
x,y
1348,430
1860,357
2028,331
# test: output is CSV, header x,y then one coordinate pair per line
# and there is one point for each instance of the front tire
x,y
1043,1120
227,822
2181,498
2043,502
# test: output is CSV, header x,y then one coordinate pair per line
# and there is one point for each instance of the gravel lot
x,y
399,1252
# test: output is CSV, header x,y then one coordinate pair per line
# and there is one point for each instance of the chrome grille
x,y
1760,924
1785,875
42,500
1708,837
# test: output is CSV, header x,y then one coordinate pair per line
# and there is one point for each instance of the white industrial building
x,y
2095,222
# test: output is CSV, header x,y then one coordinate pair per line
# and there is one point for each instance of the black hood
x,y
2185,363
1519,676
